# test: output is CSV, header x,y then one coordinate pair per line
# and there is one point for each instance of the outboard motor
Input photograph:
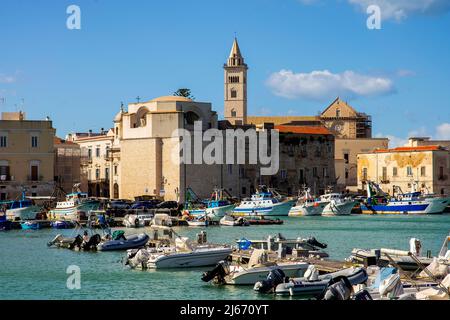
x,y
274,278
340,288
362,295
313,241
93,242
218,273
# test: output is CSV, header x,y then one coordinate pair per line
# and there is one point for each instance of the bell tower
x,y
235,102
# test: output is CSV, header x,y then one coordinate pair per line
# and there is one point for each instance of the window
x,y
233,93
90,153
97,174
230,169
301,176
325,172
346,173
441,173
106,173
244,190
315,172
34,141
394,171
364,174
3,141
34,173
338,113
384,174
346,158
409,171
97,152
4,171
233,113
115,170
423,171
283,174
241,172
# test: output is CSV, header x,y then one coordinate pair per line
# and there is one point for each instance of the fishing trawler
x,y
307,205
414,202
338,205
217,206
76,203
22,209
266,202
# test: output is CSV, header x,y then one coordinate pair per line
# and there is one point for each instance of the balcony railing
x,y
34,178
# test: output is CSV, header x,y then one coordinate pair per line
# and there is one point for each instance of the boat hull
x,y
252,275
277,209
27,213
197,258
309,210
338,209
427,206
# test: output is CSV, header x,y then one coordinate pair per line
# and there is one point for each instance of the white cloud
x,y
401,9
323,85
443,131
393,140
7,79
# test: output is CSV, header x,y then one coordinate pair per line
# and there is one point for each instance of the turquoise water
x,y
31,270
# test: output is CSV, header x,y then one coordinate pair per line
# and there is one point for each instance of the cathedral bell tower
x,y
235,102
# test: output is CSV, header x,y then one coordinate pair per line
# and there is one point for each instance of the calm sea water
x,y
31,270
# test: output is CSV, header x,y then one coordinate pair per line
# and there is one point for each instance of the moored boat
x,y
266,202
231,221
307,205
414,202
122,242
338,205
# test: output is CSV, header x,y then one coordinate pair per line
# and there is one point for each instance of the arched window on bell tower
x,y
233,93
233,113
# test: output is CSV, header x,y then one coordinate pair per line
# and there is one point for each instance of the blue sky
x,y
301,54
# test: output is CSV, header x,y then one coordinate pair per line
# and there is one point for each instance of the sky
x,y
301,54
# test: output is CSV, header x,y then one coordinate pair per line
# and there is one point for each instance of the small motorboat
x,y
338,205
256,270
35,224
312,284
120,242
200,221
263,221
231,221
63,224
184,254
77,242
133,221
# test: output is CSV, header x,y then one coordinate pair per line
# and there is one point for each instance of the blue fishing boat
x,y
62,224
414,202
21,209
266,202
215,207
5,224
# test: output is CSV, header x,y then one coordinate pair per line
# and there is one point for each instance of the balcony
x,y
5,177
31,178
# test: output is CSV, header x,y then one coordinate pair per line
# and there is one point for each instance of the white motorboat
x,y
308,206
200,221
133,221
76,203
184,254
338,205
256,270
231,221
266,202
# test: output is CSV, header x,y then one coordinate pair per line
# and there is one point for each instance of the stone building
x,y
67,164
26,156
427,166
95,161
346,152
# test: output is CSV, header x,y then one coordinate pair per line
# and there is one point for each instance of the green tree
x,y
184,92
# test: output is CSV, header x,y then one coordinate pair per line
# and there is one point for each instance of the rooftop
x,y
411,149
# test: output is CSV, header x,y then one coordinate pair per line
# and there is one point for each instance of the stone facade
x,y
428,166
67,164
95,161
26,156
346,152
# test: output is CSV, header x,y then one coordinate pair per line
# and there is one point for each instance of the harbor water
x,y
31,270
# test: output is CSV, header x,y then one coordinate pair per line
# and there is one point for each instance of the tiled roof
x,y
410,149
303,129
